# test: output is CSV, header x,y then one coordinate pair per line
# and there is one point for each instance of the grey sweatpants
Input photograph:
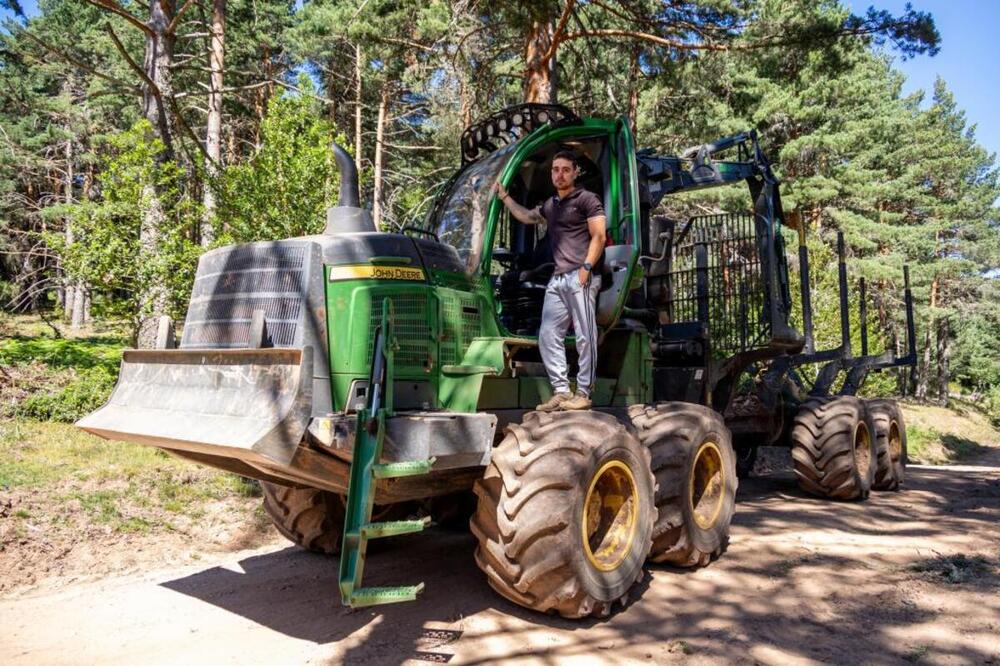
x,y
567,301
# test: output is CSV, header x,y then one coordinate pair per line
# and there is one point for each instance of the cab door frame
x,y
623,208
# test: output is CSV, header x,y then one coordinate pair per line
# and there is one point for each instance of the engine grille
x,y
232,283
410,327
460,324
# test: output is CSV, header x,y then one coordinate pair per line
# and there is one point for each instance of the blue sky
x,y
969,60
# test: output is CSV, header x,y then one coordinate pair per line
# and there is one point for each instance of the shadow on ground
x,y
775,595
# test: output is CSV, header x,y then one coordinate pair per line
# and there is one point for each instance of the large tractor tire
x,y
565,513
310,518
890,444
833,448
695,469
314,519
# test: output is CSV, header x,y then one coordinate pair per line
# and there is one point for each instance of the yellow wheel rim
x,y
895,442
862,449
609,516
707,485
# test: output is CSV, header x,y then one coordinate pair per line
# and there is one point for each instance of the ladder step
x,y
372,596
398,469
394,527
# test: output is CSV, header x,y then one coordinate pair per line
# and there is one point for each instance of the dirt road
x,y
904,577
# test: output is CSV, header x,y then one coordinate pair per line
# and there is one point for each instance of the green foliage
x,y
115,245
977,353
919,440
78,376
86,392
284,189
61,353
991,404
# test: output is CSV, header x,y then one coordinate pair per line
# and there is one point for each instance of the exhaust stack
x,y
347,216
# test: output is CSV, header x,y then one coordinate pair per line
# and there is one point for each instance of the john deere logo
x,y
375,273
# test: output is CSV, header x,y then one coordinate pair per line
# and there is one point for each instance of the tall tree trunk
x,y
358,107
924,376
383,107
81,301
157,63
263,94
633,89
154,299
924,369
539,84
74,286
79,314
943,359
466,100
69,288
213,127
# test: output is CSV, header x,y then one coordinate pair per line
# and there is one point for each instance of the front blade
x,y
241,403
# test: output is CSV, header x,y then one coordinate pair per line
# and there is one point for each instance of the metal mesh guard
x,y
737,300
234,282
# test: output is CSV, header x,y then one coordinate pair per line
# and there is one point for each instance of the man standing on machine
x,y
576,230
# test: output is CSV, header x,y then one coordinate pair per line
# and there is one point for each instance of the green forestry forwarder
x,y
356,372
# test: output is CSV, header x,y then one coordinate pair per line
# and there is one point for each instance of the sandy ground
x,y
803,581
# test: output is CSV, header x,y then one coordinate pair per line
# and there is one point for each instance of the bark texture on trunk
x,y
924,370
158,60
154,300
69,292
358,107
213,127
465,96
383,108
943,359
538,81
81,297
74,298
633,88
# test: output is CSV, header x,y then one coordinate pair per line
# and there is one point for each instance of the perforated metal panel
x,y
451,335
235,281
410,326
460,324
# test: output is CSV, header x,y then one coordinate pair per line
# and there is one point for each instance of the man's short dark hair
x,y
567,155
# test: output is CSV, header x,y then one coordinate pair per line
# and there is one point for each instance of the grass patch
x,y
85,392
961,447
928,445
105,507
114,483
58,379
36,453
938,434
919,440
62,353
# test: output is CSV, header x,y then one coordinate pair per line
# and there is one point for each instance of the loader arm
x,y
696,168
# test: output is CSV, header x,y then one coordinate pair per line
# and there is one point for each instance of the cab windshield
x,y
462,221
